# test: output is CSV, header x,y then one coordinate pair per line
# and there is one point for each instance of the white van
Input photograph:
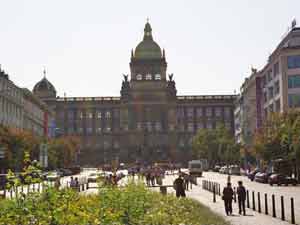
x,y
196,167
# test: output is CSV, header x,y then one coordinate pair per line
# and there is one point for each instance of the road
x,y
287,192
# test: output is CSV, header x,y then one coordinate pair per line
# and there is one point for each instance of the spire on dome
x,y
148,31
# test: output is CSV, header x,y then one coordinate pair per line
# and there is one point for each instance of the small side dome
x,y
44,89
147,49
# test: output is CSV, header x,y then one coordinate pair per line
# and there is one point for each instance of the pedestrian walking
x,y
227,197
72,182
76,185
241,193
179,186
186,181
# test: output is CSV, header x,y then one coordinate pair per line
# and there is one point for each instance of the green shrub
x,y
133,204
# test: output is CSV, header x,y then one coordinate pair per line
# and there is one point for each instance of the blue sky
x,y
85,45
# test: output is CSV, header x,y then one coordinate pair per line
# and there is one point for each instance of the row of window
x,y
148,77
294,100
270,74
149,126
294,81
208,111
293,61
272,91
189,112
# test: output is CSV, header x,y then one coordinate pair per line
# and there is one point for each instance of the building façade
x,y
148,122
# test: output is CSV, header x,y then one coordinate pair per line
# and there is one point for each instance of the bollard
x,y
266,204
248,200
273,205
282,208
163,190
292,211
214,193
258,202
253,200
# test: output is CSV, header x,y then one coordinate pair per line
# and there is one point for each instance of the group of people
x,y
228,195
74,183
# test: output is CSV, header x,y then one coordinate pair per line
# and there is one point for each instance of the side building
x,y
20,109
149,122
274,88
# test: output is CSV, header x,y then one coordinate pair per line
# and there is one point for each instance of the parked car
x,y
66,172
224,170
262,177
252,174
282,179
52,176
234,170
217,168
93,177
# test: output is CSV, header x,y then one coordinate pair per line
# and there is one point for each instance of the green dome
x,y
147,49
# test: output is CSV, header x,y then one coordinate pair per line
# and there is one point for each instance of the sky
x,y
85,45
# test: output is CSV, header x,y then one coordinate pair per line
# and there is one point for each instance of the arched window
x,y
148,76
157,77
139,77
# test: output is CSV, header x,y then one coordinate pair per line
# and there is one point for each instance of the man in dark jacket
x,y
241,192
227,197
179,187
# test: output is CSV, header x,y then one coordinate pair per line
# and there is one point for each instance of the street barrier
x,y
273,206
266,204
282,208
253,201
292,211
258,202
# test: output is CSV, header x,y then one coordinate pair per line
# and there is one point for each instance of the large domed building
x,y
149,122
44,89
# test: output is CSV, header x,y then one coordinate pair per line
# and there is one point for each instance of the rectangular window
x,y
99,114
227,112
180,113
294,81
208,112
293,61
276,69
199,112
89,115
218,112
139,126
294,100
107,115
269,75
190,112
277,87
270,92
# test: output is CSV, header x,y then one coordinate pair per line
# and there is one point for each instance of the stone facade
x,y
148,122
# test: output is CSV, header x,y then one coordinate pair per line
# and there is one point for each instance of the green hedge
x,y
133,204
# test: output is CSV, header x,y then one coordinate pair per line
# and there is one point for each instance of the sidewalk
x,y
206,198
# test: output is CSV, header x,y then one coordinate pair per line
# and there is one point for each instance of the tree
x,y
217,146
279,138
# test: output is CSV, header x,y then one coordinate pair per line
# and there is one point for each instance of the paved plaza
x,y
252,217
